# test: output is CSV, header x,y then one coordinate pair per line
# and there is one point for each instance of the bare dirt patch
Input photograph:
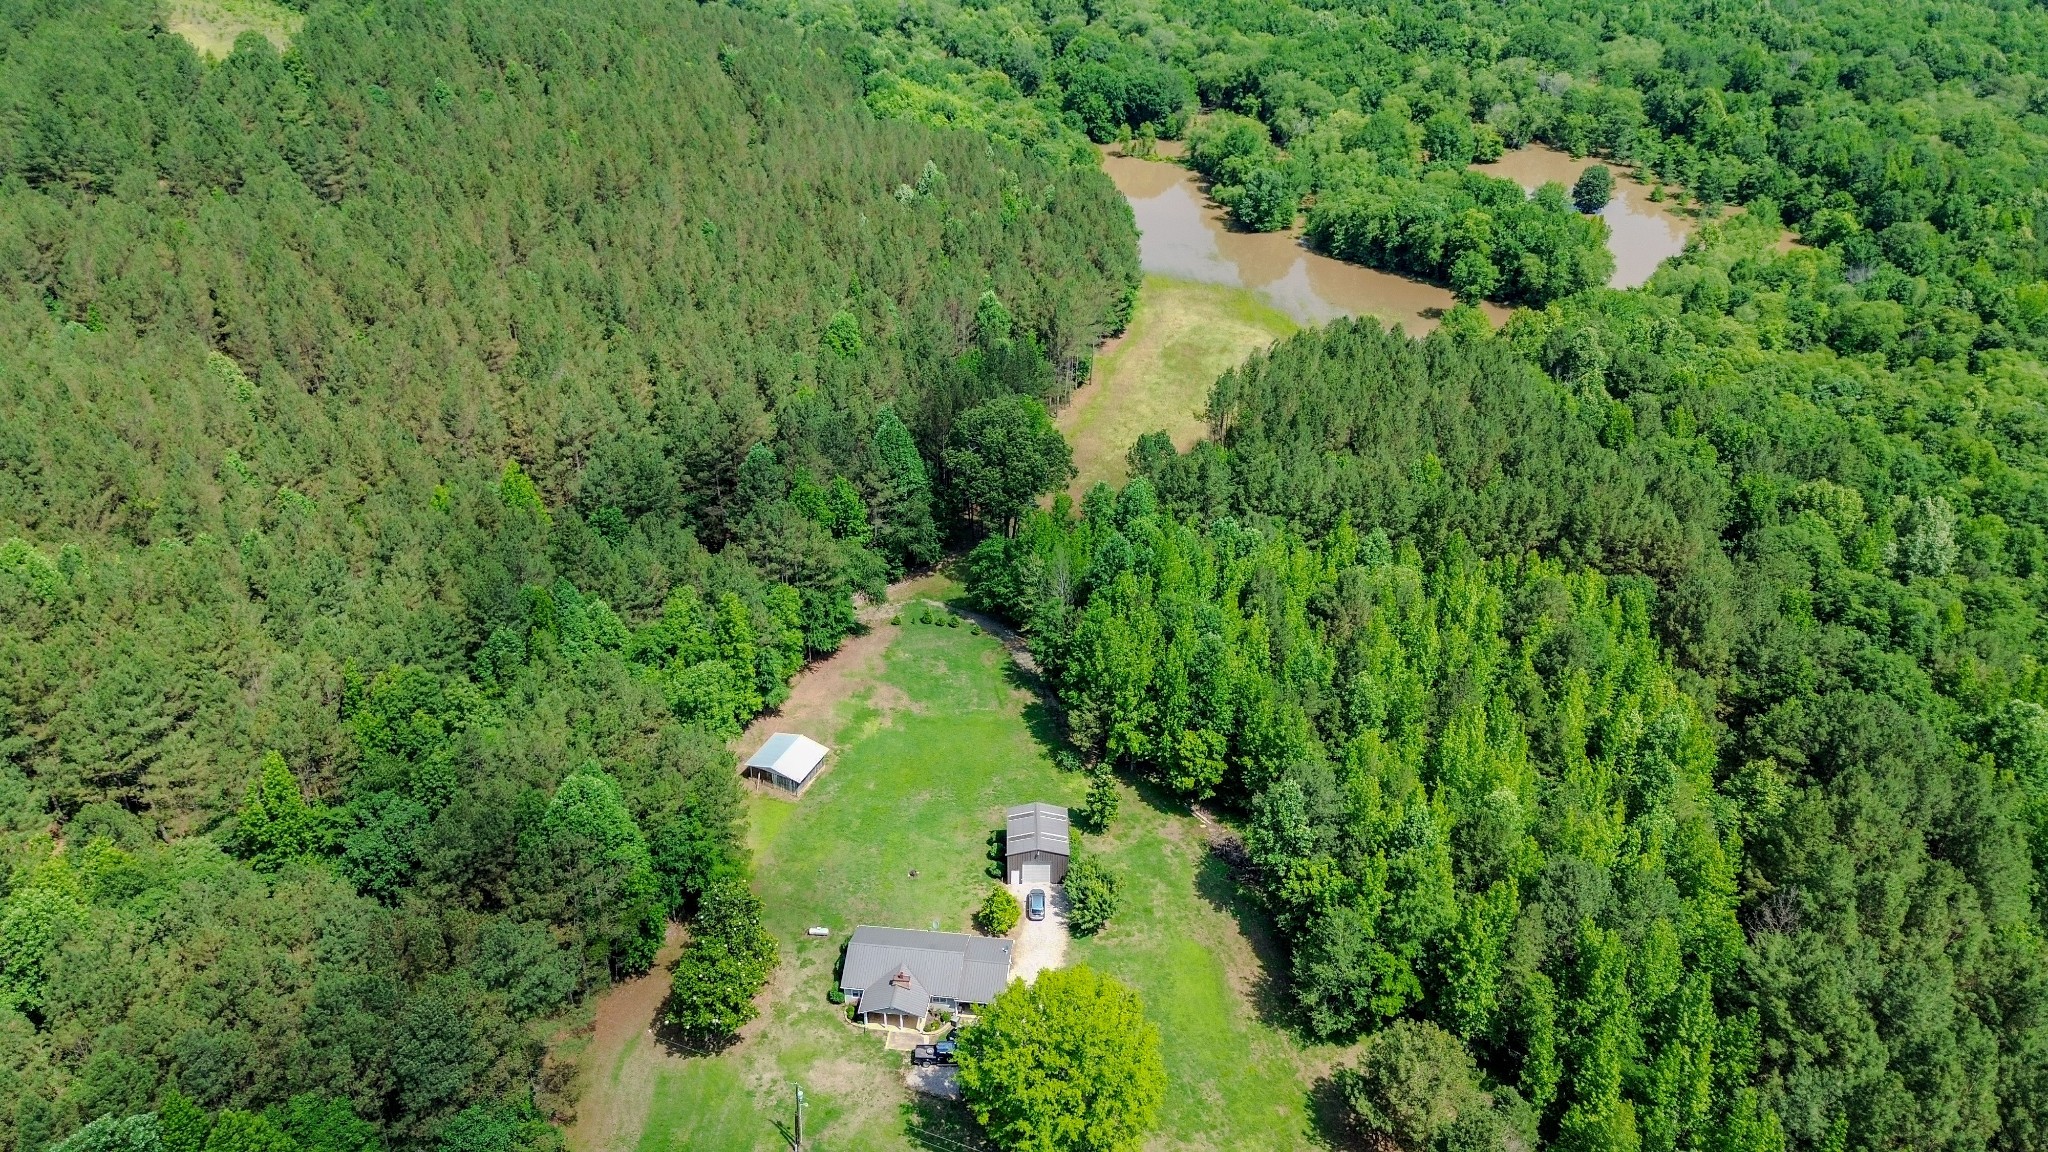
x,y
815,696
623,1058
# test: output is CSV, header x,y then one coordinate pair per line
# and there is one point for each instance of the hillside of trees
x,y
424,448
1667,726
420,451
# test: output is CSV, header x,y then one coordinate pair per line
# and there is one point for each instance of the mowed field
x,y
928,750
1182,336
212,26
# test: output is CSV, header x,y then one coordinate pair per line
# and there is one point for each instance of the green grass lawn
x,y
1234,1080
1181,337
213,25
927,755
926,759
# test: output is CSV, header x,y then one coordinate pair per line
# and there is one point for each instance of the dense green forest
x,y
424,448
1909,138
420,450
1740,843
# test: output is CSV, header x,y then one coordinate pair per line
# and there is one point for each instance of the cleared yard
x,y
929,750
1184,939
212,26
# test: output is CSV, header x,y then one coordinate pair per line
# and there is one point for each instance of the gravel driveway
x,y
1041,944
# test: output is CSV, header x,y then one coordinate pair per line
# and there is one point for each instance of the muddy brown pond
x,y
1184,234
1641,233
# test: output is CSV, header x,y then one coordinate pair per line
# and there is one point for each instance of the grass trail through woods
x,y
1157,376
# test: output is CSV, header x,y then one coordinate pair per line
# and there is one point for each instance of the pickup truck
x,y
940,1053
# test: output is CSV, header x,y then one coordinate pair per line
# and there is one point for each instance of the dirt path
x,y
623,1059
818,691
622,1062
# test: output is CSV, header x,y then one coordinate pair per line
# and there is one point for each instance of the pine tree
x,y
905,531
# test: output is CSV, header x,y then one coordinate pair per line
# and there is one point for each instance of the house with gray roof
x,y
897,977
1036,844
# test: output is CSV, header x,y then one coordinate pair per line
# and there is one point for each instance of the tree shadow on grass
x,y
943,1126
1156,798
1217,882
682,1043
1330,1120
1047,725
1045,717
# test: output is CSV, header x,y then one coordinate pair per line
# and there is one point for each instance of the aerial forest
x,y
424,448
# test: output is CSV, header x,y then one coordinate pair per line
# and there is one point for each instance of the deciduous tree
x,y
1067,1063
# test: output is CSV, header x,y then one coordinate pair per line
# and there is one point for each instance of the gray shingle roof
x,y
889,996
1036,828
943,965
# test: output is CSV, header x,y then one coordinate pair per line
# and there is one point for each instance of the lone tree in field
x,y
1594,189
1103,799
1066,1064
1091,895
729,958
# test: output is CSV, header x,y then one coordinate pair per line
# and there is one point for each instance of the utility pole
x,y
799,1118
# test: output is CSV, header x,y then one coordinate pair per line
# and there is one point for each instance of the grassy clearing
x,y
929,750
1182,336
212,26
1186,940
928,753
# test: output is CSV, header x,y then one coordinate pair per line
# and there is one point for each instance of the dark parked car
x,y
946,1049
1034,904
925,1054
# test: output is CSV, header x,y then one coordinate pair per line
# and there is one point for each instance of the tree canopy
x,y
1066,1063
420,448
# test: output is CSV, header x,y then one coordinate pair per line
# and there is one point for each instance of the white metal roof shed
x,y
787,760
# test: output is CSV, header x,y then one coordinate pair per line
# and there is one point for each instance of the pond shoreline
x,y
1185,235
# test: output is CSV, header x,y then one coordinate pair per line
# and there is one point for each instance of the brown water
x,y
1183,234
1641,233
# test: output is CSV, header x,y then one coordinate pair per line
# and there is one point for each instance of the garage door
x,y
1037,873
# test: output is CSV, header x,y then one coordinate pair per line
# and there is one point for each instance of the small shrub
x,y
835,996
1100,808
896,621
997,914
1091,896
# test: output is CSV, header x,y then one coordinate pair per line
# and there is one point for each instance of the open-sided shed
x,y
788,761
